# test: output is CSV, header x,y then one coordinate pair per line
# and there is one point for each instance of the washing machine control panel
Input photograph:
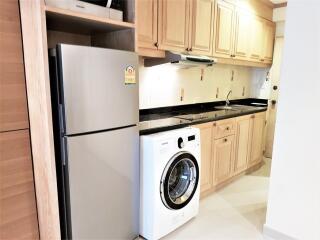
x,y
180,142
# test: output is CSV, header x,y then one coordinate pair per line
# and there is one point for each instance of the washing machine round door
x,y
179,181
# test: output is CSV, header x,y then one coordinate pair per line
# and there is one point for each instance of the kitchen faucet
x,y
227,99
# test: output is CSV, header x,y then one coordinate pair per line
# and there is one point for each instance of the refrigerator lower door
x,y
104,184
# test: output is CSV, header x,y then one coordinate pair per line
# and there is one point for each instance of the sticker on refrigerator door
x,y
130,75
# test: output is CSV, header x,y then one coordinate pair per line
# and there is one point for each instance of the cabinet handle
x,y
227,128
156,44
262,60
253,116
187,49
214,124
190,49
225,140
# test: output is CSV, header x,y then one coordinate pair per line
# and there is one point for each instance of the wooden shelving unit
x,y
74,22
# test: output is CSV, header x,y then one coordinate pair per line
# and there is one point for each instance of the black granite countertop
x,y
169,118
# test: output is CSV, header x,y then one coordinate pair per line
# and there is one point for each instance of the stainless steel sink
x,y
229,108
233,107
192,117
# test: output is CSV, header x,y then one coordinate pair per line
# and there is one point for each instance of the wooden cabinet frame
x,y
33,23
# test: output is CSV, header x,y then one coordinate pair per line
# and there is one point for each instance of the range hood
x,y
182,60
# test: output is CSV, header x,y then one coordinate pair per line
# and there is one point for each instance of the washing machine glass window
x,y
179,181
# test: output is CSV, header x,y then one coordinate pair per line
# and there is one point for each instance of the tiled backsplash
x,y
166,85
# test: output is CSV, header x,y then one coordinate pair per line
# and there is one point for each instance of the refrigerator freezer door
x,y
104,184
98,91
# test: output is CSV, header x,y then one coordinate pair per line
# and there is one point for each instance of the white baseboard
x,y
272,234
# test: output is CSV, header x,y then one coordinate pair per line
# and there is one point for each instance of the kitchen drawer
x,y
224,128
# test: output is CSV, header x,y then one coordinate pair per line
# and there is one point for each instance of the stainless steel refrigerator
x,y
95,115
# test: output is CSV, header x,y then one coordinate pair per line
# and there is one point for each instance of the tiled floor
x,y
237,212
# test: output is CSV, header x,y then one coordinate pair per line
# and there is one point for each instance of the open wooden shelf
x,y
70,21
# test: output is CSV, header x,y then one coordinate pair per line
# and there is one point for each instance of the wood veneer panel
x,y
33,21
18,211
13,101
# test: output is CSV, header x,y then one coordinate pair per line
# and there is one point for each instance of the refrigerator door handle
x,y
61,119
64,151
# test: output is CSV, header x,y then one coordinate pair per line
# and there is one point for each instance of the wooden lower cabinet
x,y
243,146
257,148
206,161
229,148
223,157
18,212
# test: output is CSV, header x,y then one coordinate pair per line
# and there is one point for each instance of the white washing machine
x,y
170,175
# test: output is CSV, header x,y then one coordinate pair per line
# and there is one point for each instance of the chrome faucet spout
x,y
227,99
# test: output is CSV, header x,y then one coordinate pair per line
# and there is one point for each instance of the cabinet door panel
x,y
242,38
269,36
258,124
206,156
18,217
224,29
147,23
202,26
243,137
173,24
256,42
223,152
13,100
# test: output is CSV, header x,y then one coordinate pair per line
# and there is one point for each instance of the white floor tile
x,y
236,212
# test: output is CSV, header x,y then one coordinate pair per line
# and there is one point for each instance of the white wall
x,y
279,16
260,83
294,197
161,85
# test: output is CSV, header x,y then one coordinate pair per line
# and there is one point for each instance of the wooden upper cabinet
x,y
13,100
147,23
18,214
258,125
256,35
268,41
242,38
206,156
262,40
173,25
243,138
202,29
224,31
219,28
223,156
